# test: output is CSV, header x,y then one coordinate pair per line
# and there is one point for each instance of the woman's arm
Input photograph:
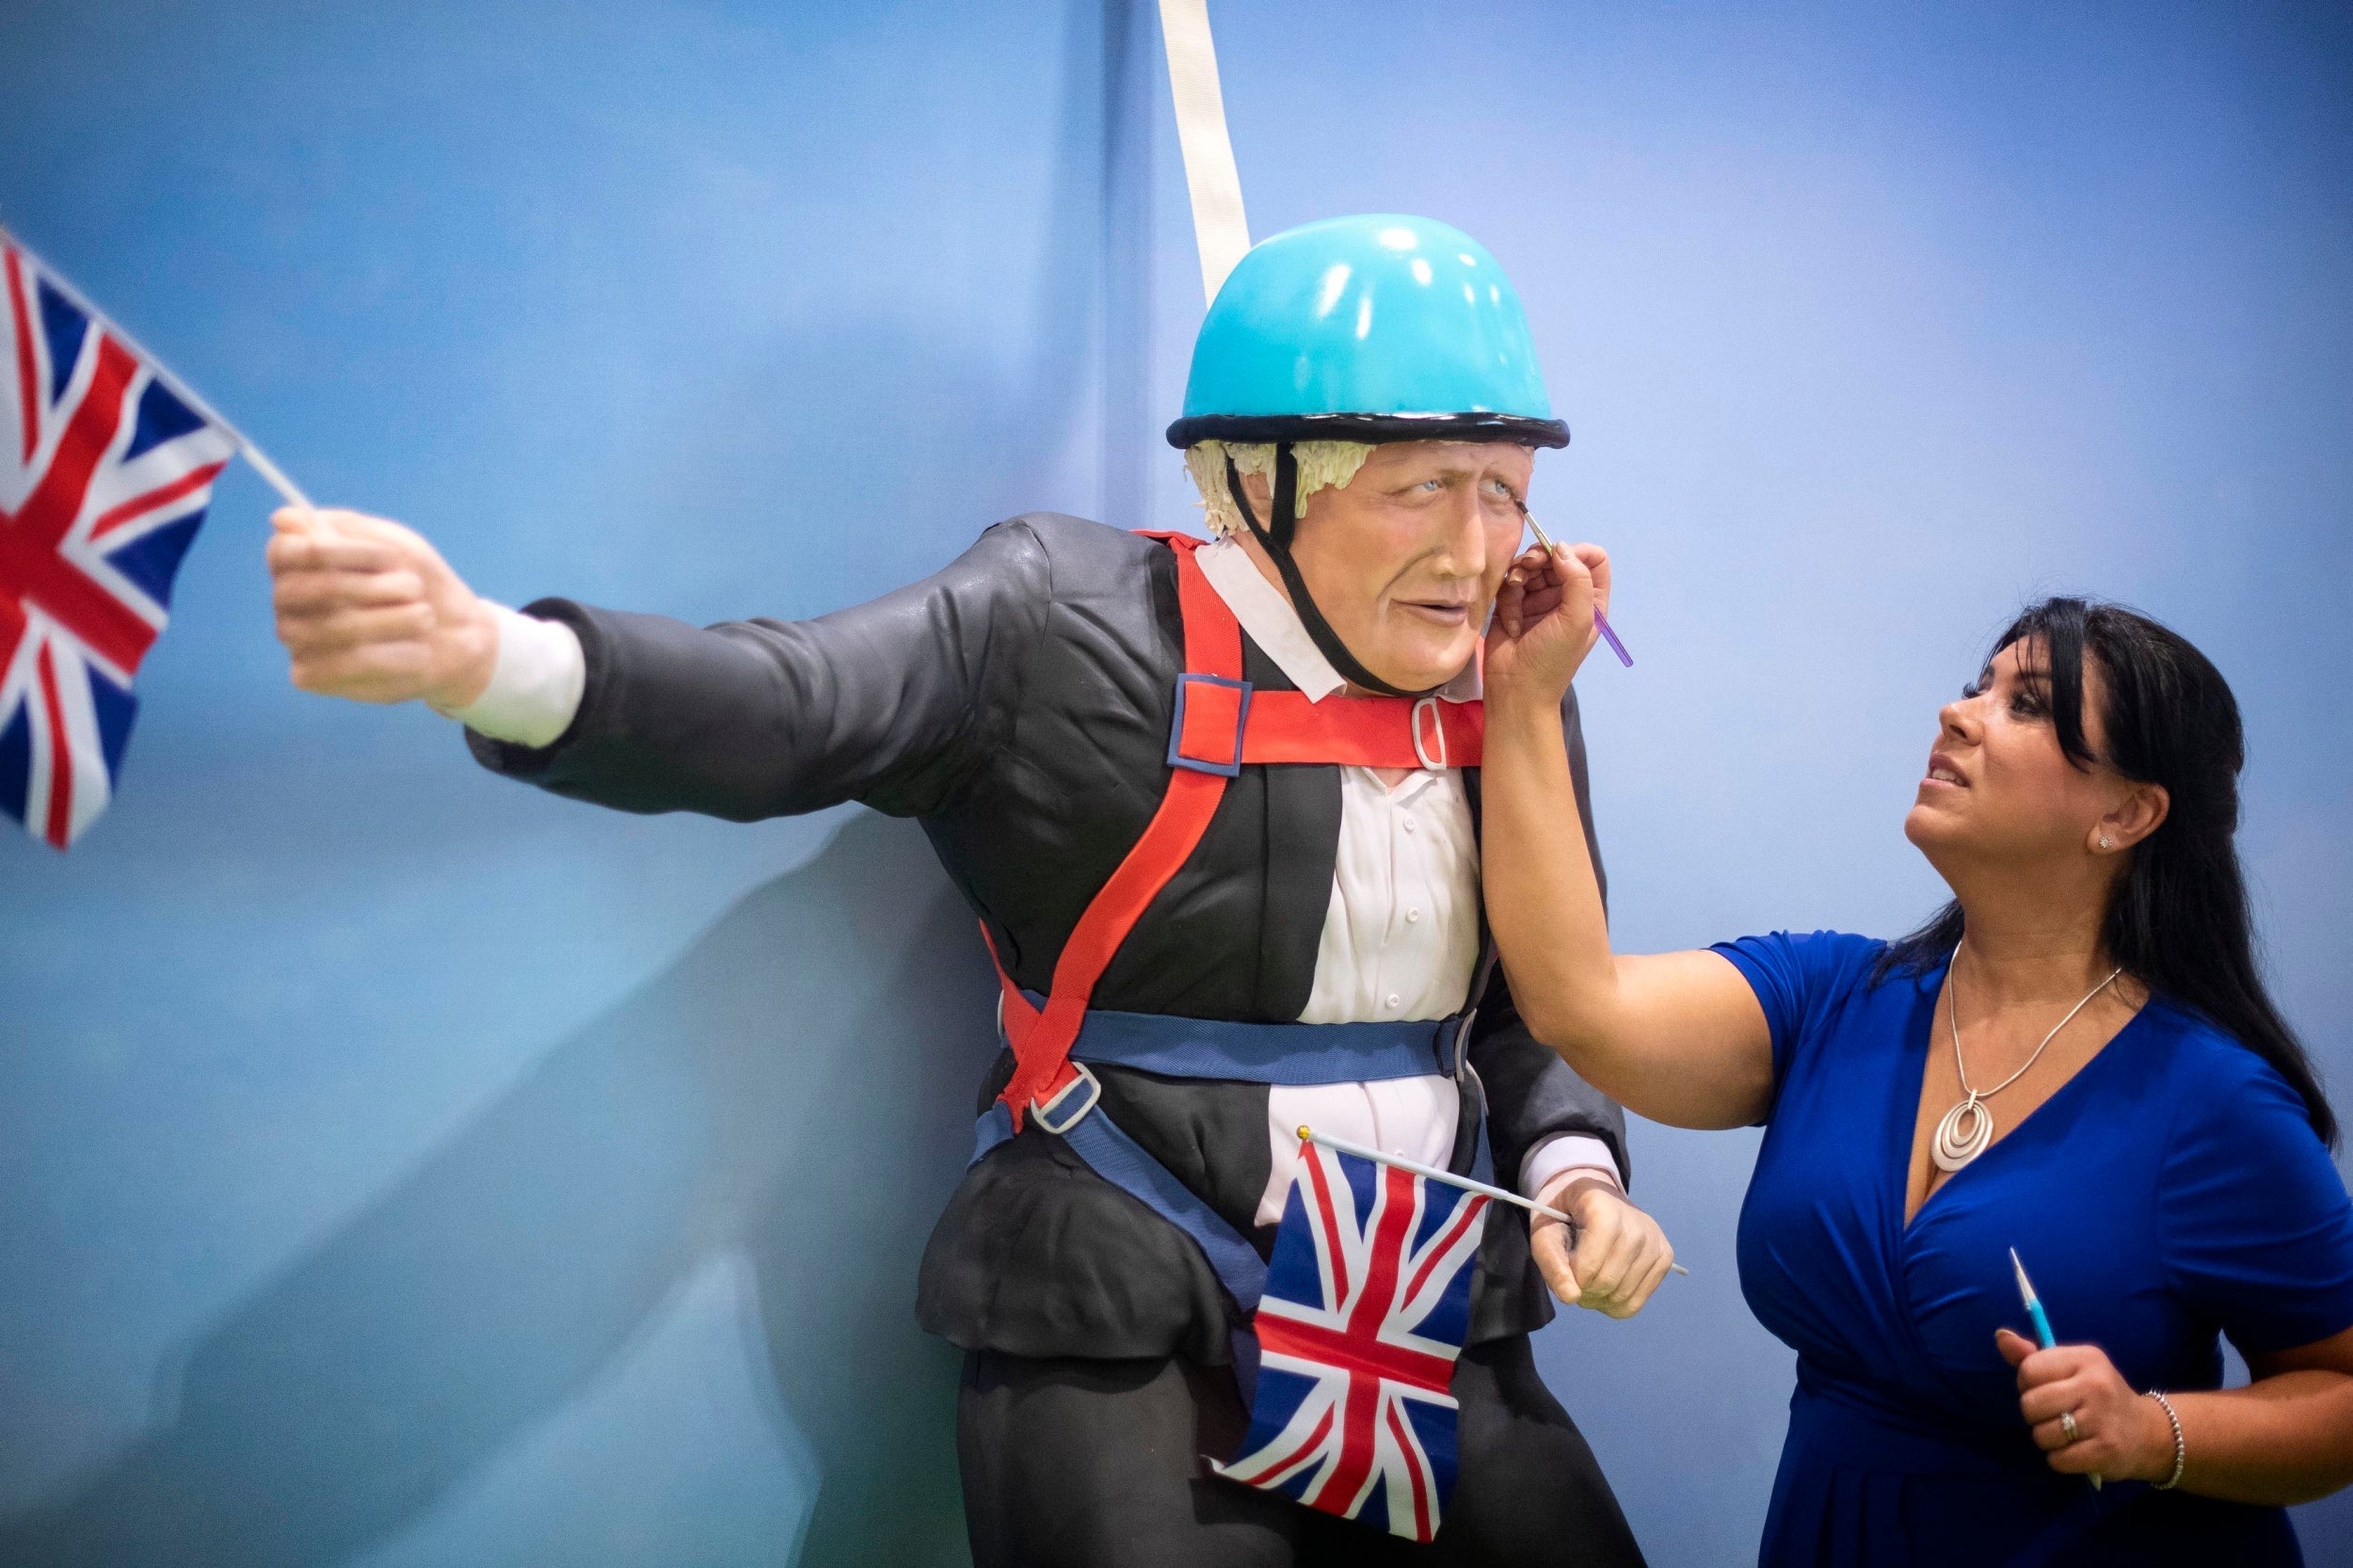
x,y
1678,1037
2287,1437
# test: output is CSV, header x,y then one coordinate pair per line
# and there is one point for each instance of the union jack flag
x,y
1366,1300
104,481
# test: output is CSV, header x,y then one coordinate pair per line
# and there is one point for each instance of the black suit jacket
x,y
1017,703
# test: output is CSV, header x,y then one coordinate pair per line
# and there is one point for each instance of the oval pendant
x,y
1954,1146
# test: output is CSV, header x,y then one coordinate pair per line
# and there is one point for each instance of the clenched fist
x,y
1617,1257
369,611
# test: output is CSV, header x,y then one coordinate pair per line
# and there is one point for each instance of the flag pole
x,y
1309,1135
271,473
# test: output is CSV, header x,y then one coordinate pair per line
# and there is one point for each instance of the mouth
x,y
1943,774
1437,612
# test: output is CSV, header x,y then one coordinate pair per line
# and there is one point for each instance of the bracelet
x,y
2181,1448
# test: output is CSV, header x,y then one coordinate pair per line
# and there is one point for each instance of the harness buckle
x,y
1206,733
1437,722
1461,1043
1043,1116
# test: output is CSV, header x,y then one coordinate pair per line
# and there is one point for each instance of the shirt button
x,y
1409,824
1412,914
1396,1001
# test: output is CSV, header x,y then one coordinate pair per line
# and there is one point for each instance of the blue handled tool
x,y
2034,1304
2042,1334
1601,622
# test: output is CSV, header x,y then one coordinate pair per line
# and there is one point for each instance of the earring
x,y
2106,843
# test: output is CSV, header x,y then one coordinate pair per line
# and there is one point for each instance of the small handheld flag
x,y
108,466
1367,1302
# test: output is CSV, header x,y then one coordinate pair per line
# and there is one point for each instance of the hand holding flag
x,y
369,611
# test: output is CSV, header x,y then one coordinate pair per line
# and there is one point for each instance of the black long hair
x,y
2178,920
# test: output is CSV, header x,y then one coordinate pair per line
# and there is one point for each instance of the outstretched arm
x,y
1678,1037
896,702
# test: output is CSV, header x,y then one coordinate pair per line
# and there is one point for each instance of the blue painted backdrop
x,y
399,1168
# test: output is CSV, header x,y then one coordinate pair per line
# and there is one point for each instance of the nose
x,y
1464,551
1958,720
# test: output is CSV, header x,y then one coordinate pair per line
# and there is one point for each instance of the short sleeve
x,y
2258,1232
1798,980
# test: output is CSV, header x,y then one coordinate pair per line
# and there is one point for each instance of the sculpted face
x,y
1405,559
1999,791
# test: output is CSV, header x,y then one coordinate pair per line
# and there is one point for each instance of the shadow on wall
x,y
729,1103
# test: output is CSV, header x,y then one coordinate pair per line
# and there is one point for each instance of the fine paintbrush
x,y
2041,1323
1601,622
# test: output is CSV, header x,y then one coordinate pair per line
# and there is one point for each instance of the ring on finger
x,y
2067,1425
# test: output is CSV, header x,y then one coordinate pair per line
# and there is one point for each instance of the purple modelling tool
x,y
1601,622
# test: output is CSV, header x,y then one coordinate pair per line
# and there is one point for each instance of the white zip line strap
x,y
1432,1172
269,472
1220,231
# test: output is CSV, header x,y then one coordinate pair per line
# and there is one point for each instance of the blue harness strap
x,y
1288,1054
1124,1162
1293,1055
1119,1159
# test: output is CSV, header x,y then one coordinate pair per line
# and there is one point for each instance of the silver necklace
x,y
1955,1148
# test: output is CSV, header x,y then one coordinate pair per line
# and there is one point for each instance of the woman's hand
x,y
1543,622
369,611
2120,1435
1619,1255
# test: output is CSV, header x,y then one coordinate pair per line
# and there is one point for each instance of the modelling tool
x,y
1601,622
2041,1323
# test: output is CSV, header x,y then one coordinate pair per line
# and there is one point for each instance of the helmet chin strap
x,y
1277,542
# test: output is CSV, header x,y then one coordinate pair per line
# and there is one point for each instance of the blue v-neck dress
x,y
2170,1191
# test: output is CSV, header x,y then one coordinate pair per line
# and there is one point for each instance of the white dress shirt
x,y
1401,933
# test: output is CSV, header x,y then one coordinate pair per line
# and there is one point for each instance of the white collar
x,y
1275,627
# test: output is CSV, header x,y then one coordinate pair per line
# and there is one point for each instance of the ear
x,y
1260,490
2139,810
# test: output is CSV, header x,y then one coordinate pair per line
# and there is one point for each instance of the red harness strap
x,y
1366,731
1222,725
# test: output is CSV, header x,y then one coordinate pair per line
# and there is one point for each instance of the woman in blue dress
x,y
2076,1059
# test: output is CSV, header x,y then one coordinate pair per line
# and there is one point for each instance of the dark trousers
x,y
1081,1464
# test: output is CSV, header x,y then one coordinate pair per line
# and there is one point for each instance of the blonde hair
x,y
1321,463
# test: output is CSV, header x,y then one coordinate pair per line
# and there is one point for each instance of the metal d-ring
x,y
1437,722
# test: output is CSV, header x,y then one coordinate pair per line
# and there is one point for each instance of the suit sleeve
x,y
1531,1094
896,703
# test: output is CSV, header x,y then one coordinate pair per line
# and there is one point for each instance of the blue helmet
x,y
1379,328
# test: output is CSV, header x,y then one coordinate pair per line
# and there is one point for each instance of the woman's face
x,y
1999,791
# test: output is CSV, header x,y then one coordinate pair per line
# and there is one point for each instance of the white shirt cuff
x,y
535,686
1563,1152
